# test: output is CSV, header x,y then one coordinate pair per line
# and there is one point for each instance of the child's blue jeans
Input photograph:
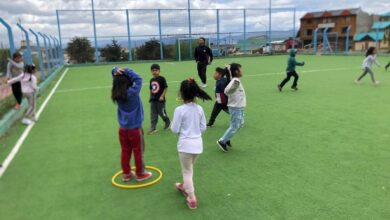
x,y
236,122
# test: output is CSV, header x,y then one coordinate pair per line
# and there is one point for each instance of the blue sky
x,y
40,14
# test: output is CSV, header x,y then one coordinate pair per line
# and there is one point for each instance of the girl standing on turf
x,y
367,65
29,88
189,122
236,103
126,87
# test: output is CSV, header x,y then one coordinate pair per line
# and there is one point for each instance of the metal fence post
x,y
128,35
218,37
27,54
245,46
270,26
58,50
41,67
50,51
55,50
347,39
294,29
10,36
46,53
159,29
324,39
190,29
60,39
377,39
94,34
315,40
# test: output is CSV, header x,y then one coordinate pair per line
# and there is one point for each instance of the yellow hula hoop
x,y
136,186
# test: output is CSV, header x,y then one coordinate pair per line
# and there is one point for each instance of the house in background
x,y
379,36
339,25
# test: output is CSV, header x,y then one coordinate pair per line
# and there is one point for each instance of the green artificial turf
x,y
319,153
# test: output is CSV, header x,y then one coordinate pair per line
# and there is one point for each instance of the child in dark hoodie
x,y
291,71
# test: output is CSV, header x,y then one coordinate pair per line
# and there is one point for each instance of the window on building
x,y
309,32
344,30
330,30
309,21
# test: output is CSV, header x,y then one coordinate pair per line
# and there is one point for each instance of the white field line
x,y
170,82
26,131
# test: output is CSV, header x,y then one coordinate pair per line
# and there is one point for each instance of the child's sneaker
x,y
294,88
167,124
127,177
27,121
222,146
192,203
279,88
180,187
376,83
144,176
228,144
152,131
209,125
357,82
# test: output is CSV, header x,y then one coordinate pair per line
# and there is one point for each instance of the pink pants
x,y
187,162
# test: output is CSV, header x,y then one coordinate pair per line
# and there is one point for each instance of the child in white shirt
x,y
29,89
189,122
236,103
367,65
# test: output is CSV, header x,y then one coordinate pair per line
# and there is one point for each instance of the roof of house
x,y
332,13
371,35
381,25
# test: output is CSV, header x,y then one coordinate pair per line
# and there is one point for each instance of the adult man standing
x,y
203,57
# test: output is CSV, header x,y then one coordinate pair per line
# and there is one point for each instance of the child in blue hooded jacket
x,y
291,64
126,87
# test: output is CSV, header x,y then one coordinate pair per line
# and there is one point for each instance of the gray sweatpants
x,y
31,99
367,70
156,109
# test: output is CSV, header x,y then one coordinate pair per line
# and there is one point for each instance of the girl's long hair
x,y
370,51
189,90
29,69
120,85
231,72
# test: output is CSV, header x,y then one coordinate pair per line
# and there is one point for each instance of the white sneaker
x,y
204,85
376,83
357,82
27,121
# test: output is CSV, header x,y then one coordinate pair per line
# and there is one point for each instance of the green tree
x,y
151,51
80,50
113,52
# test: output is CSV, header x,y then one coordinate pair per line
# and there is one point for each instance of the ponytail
x,y
189,90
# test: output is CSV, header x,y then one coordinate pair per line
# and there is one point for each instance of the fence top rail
x,y
172,35
180,9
